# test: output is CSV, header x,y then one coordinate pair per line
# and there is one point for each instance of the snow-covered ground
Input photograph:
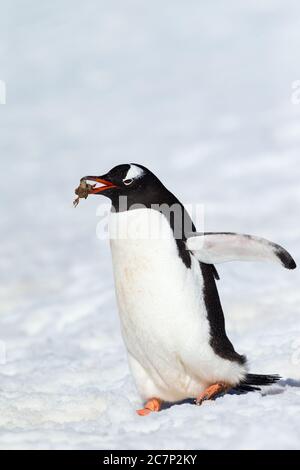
x,y
200,92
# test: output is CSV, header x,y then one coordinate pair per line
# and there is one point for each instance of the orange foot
x,y
154,404
211,392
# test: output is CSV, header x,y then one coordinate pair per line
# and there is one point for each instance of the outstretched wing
x,y
213,248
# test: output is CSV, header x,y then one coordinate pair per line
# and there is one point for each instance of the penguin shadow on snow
x,y
276,389
281,387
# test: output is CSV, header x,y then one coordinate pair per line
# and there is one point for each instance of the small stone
x,y
82,191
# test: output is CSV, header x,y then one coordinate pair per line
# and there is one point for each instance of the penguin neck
x,y
162,201
147,197
169,206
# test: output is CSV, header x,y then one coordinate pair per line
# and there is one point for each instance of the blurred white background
x,y
201,93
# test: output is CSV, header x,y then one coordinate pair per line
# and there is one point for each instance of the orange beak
x,y
100,184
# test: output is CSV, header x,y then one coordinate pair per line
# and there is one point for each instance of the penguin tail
x,y
253,382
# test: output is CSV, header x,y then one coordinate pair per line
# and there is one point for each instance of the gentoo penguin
x,y
171,317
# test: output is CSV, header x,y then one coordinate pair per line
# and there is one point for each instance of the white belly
x,y
163,316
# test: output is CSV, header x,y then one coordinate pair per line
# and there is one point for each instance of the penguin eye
x,y
128,182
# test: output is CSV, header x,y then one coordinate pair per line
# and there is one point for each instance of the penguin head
x,y
132,186
130,180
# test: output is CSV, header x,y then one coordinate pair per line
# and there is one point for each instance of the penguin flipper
x,y
220,247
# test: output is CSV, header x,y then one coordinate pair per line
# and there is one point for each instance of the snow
x,y
201,93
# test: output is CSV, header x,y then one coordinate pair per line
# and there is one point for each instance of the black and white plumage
x,y
171,316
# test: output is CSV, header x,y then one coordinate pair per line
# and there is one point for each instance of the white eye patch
x,y
133,173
